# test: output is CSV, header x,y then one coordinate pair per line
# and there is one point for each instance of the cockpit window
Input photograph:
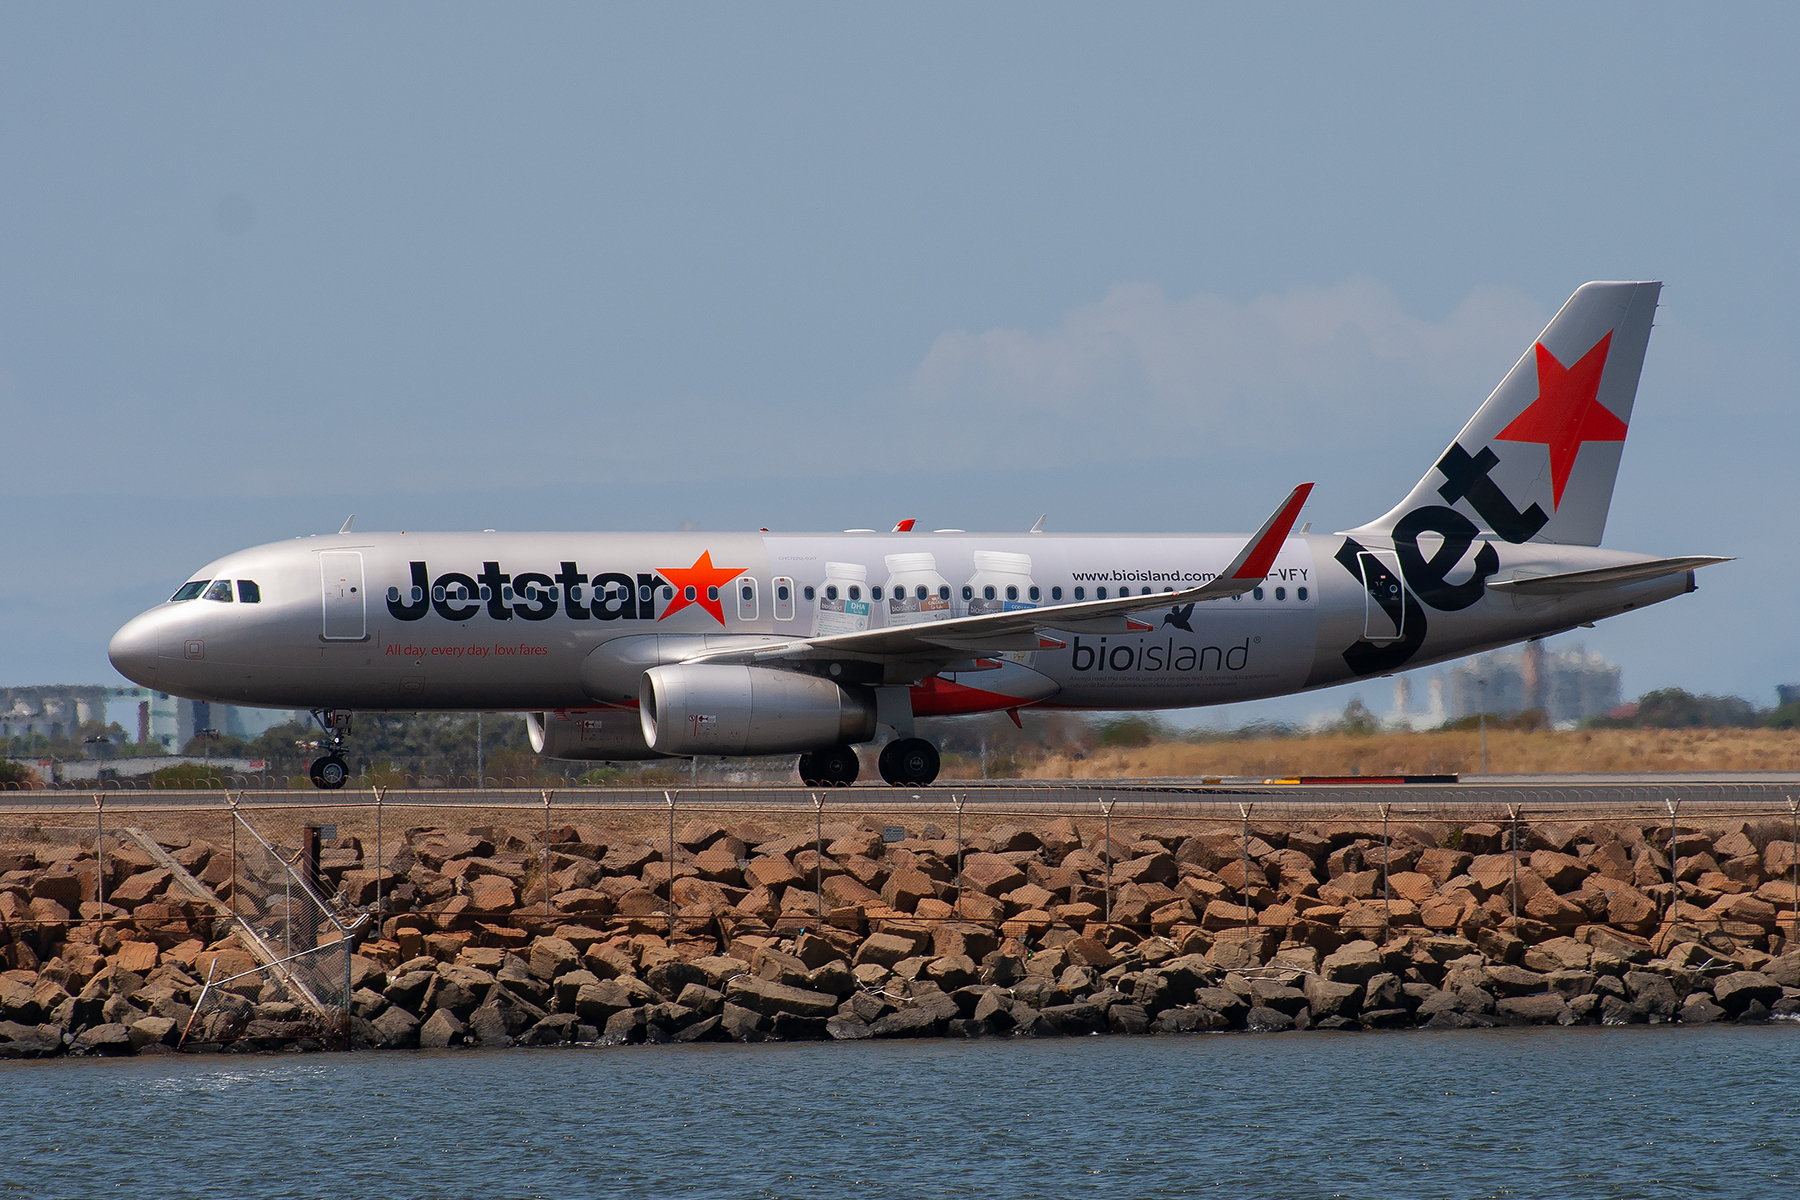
x,y
189,590
220,590
248,592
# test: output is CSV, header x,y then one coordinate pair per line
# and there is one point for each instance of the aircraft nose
x,y
135,649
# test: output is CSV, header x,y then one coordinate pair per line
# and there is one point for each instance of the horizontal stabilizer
x,y
1601,577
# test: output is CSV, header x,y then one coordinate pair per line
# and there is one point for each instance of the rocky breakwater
x,y
493,937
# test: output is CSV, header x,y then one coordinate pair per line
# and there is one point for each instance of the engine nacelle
x,y
713,708
609,735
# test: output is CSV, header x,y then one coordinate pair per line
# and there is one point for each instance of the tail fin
x,y
1538,460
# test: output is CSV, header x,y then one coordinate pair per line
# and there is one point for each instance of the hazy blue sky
x,y
825,266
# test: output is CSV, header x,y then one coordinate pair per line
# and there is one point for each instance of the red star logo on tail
x,y
698,578
1566,413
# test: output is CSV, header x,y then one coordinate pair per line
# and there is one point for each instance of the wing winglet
x,y
1258,554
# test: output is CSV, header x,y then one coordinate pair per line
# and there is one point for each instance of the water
x,y
1589,1112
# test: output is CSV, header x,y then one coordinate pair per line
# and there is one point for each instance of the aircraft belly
x,y
1244,652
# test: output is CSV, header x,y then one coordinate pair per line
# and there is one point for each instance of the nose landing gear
x,y
330,772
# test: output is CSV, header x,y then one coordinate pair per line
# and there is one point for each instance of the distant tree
x,y
1356,720
16,772
1677,708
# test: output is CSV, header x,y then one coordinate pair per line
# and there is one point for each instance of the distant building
x,y
144,714
1566,685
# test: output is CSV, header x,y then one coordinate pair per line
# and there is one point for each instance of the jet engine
x,y
713,708
606,735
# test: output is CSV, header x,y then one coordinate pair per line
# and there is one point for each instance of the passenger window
x,y
784,598
1300,593
1281,593
669,593
688,592
418,593
1056,593
393,595
1081,593
1035,594
712,593
855,592
1099,593
1257,592
831,591
944,592
487,593
809,593
248,592
1143,591
644,594
875,593
968,592
189,590
220,590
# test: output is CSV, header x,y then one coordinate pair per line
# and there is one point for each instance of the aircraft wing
x,y
1571,582
996,633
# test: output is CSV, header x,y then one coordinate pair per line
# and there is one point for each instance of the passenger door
x,y
346,615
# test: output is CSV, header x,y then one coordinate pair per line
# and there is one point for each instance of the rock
x,y
1545,1009
1326,998
885,949
743,1024
110,1040
707,1029
624,1027
408,991
1188,1018
1227,1004
1272,994
1076,1018
1651,994
701,999
1784,970
1354,962
442,1029
1514,981
847,1027
502,1017
29,1041
1700,1010
1737,991
769,998
954,972
1127,1018
552,956
1262,1019
1570,984
150,1031
905,1023
395,1029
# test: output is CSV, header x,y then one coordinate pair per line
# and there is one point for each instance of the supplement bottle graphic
x,y
843,602
915,590
1001,583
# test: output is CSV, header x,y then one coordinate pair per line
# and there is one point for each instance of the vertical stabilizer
x,y
1538,460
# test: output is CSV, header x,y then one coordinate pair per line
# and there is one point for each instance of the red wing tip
x,y
1137,626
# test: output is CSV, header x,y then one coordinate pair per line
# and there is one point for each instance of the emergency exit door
x,y
346,615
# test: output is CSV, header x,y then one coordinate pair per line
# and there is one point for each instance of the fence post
x,y
549,792
100,849
1106,806
1244,883
960,801
1513,811
669,798
818,858
1674,887
1794,858
380,909
1387,850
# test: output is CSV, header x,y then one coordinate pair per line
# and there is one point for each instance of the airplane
x,y
634,646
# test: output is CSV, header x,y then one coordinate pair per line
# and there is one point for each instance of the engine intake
x,y
713,708
611,735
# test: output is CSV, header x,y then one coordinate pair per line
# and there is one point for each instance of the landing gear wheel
x,y
330,773
836,767
909,762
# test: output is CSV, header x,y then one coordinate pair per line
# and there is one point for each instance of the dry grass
x,y
1509,753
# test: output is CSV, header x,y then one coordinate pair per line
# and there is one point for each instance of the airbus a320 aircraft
x,y
636,646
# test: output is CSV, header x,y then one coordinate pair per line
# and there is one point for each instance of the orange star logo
x,y
1566,414
698,584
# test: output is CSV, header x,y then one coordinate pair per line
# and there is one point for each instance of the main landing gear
x,y
909,762
835,767
330,772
